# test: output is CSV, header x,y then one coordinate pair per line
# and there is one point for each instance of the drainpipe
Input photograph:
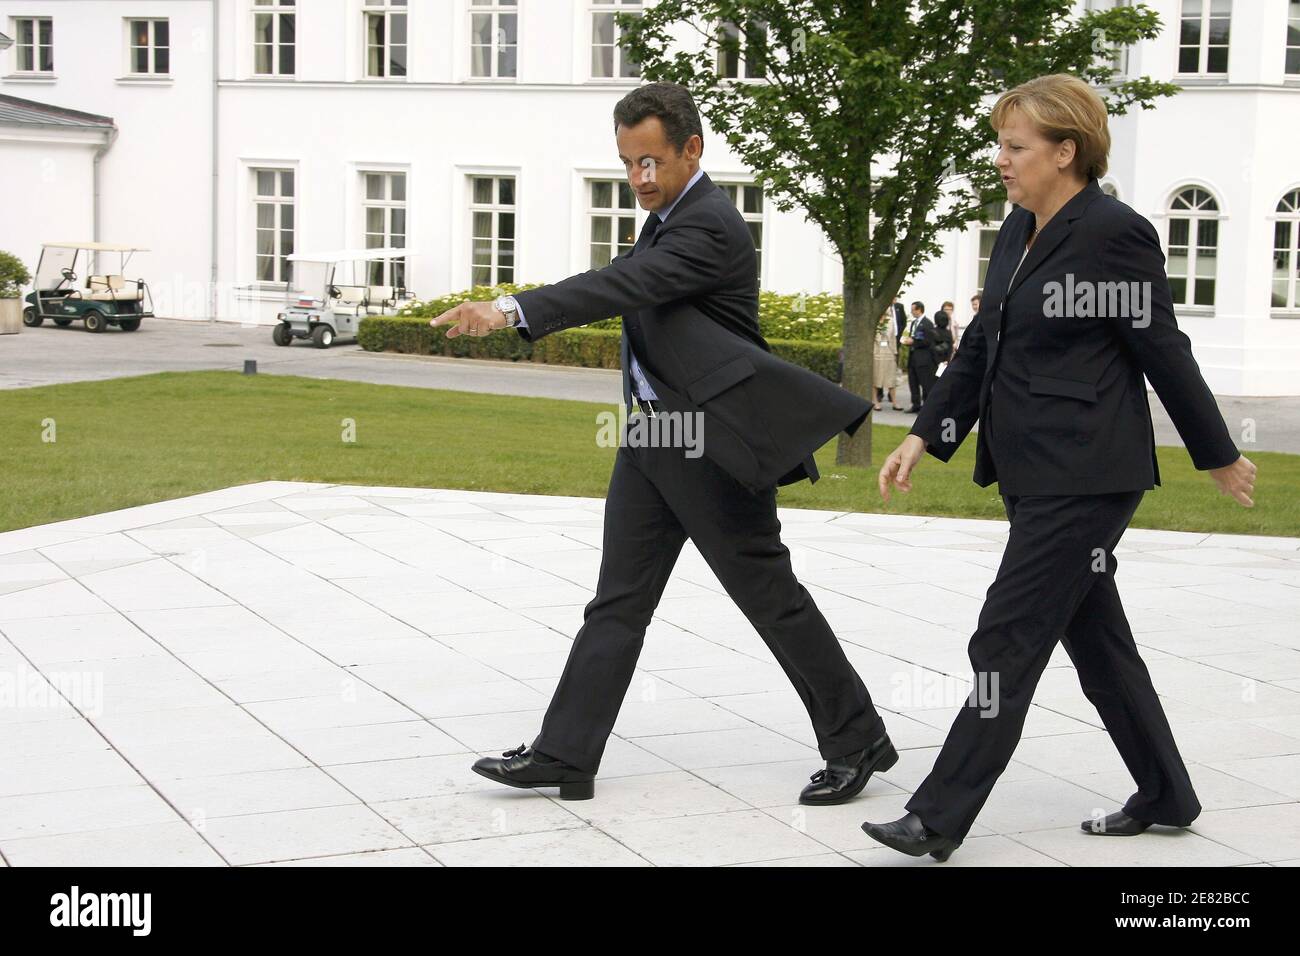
x,y
216,61
94,178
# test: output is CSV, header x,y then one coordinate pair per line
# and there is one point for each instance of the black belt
x,y
649,407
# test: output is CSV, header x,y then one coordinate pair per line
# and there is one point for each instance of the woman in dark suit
x,y
1076,309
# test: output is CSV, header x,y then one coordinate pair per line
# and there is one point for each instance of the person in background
x,y
953,326
942,345
884,367
921,364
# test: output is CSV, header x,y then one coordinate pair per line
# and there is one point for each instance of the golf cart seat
x,y
112,289
351,299
381,297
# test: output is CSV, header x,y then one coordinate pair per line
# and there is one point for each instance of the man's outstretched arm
x,y
686,260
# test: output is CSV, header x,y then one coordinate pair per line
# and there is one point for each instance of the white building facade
x,y
478,134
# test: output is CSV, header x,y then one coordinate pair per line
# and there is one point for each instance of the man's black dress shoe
x,y
913,410
844,777
1118,823
909,835
522,767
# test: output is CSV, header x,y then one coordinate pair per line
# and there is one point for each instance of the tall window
x,y
608,58
1203,37
741,52
150,52
385,38
492,229
1193,246
996,214
1117,55
385,217
494,38
274,200
1286,253
275,30
1293,38
612,214
34,44
748,198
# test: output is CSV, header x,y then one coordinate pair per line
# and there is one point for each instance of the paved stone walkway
x,y
299,673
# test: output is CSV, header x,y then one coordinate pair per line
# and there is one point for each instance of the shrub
x,y
13,276
804,331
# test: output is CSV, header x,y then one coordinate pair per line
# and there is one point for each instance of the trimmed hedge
x,y
595,345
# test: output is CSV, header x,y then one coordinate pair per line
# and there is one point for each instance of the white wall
x,y
551,128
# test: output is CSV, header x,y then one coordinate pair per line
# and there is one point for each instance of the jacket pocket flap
x,y
1066,387
720,379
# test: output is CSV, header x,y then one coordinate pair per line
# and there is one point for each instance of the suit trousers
x,y
1056,582
658,497
921,377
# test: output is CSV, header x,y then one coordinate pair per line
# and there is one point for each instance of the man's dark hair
x,y
947,306
671,102
919,305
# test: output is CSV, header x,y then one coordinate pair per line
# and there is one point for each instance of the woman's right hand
x,y
897,469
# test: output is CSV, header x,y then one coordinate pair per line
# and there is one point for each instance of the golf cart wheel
x,y
281,334
322,336
30,318
129,325
62,323
95,321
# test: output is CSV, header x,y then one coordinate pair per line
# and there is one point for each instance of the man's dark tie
x,y
631,329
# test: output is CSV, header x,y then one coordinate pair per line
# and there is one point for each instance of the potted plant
x,y
13,276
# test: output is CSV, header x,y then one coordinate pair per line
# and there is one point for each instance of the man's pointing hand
x,y
470,318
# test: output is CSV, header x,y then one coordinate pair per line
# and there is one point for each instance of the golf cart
x,y
329,293
102,299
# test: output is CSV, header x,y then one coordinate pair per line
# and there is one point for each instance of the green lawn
x,y
132,441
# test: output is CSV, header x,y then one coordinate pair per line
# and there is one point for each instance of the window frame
x,y
389,10
494,9
495,208
34,47
1203,44
597,8
277,11
282,269
1207,209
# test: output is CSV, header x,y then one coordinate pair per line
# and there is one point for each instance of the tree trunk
x,y
859,355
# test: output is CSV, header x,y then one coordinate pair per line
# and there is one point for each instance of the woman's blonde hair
x,y
1062,107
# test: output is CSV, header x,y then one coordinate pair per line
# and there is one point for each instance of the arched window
x,y
1286,253
1193,246
996,212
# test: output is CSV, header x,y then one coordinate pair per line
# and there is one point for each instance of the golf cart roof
x,y
350,255
93,246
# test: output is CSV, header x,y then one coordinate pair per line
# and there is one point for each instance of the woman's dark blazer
x,y
1052,367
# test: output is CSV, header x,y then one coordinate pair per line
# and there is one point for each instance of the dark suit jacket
x,y
1059,391
900,321
922,339
689,302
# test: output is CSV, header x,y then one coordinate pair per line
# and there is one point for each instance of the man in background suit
x,y
921,363
688,296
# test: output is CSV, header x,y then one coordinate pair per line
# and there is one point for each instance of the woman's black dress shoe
x,y
909,835
844,777
1118,823
522,767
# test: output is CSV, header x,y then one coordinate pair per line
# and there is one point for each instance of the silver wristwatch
x,y
506,305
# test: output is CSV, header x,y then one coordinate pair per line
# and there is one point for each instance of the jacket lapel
x,y
1061,225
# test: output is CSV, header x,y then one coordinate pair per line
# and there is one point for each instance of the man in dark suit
x,y
921,363
900,320
688,296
